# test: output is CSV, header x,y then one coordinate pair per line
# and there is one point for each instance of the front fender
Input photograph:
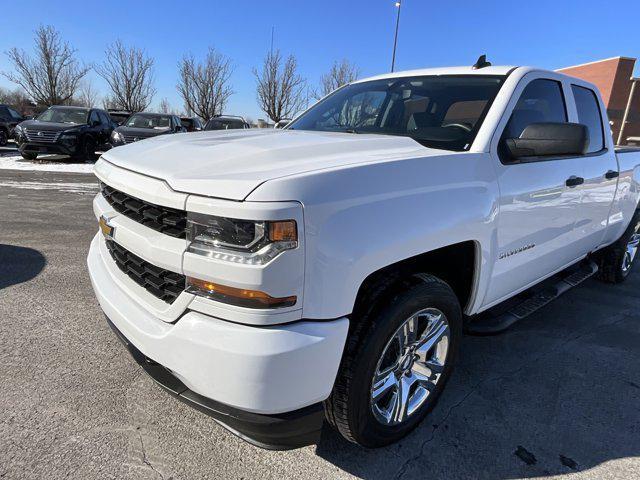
x,y
361,219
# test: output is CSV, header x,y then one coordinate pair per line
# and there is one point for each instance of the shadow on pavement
x,y
19,264
557,394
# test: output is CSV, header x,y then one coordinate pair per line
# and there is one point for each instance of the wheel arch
x,y
458,265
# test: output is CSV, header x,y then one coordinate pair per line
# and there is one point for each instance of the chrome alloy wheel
x,y
631,250
410,366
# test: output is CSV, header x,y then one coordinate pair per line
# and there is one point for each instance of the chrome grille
x,y
133,138
41,136
161,219
163,284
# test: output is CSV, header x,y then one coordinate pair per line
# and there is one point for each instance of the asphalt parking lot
x,y
558,396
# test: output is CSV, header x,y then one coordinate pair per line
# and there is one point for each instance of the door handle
x,y
574,181
611,174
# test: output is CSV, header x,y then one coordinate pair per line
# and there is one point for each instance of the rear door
x,y
600,171
537,211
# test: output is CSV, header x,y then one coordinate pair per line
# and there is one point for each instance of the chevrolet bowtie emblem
x,y
107,230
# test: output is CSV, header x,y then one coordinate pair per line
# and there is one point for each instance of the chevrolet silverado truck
x,y
277,278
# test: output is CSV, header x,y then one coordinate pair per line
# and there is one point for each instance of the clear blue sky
x,y
549,34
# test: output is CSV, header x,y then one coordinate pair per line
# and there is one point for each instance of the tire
x,y
87,150
616,260
4,137
29,155
351,407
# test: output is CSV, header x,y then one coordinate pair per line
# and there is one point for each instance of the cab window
x,y
589,115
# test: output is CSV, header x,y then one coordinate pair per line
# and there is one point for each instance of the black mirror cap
x,y
549,140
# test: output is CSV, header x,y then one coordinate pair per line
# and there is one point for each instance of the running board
x,y
498,319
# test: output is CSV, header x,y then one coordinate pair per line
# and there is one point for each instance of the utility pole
x,y
395,39
626,110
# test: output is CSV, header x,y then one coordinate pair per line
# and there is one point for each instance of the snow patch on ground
x,y
60,186
43,165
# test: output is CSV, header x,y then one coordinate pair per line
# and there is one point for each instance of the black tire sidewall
x,y
29,156
623,246
364,426
87,149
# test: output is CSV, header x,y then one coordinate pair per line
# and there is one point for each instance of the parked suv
x,y
74,131
191,124
226,122
145,125
9,118
276,277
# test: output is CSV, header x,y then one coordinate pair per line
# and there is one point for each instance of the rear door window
x,y
589,115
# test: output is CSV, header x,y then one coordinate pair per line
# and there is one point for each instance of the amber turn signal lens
x,y
237,296
283,231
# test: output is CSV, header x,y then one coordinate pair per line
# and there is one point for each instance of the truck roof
x,y
497,70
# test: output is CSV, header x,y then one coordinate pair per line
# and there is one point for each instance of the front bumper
x,y
274,432
47,148
254,380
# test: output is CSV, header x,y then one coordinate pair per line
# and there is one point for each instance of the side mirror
x,y
549,140
95,123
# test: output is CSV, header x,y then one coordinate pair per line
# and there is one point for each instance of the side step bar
x,y
501,317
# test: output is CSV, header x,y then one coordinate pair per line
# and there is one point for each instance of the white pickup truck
x,y
275,278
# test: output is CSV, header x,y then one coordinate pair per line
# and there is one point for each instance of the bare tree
x,y
16,98
88,95
50,77
165,106
280,88
129,73
341,73
205,87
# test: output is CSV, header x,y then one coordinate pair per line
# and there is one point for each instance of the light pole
x,y
395,40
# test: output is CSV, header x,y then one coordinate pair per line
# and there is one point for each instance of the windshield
x,y
143,120
437,111
76,116
224,124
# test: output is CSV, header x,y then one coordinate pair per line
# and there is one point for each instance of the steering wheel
x,y
463,126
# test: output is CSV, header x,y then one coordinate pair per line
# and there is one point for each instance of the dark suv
x,y
226,122
9,118
74,131
145,125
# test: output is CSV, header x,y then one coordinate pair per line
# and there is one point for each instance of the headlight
x,y
117,136
240,241
246,242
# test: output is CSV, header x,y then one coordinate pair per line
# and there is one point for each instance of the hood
x,y
232,163
49,126
141,132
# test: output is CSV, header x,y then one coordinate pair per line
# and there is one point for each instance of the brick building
x,y
613,77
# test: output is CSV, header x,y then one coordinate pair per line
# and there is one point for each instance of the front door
x,y
539,202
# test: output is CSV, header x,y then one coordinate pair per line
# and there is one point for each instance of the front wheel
x,y
87,149
29,155
396,364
